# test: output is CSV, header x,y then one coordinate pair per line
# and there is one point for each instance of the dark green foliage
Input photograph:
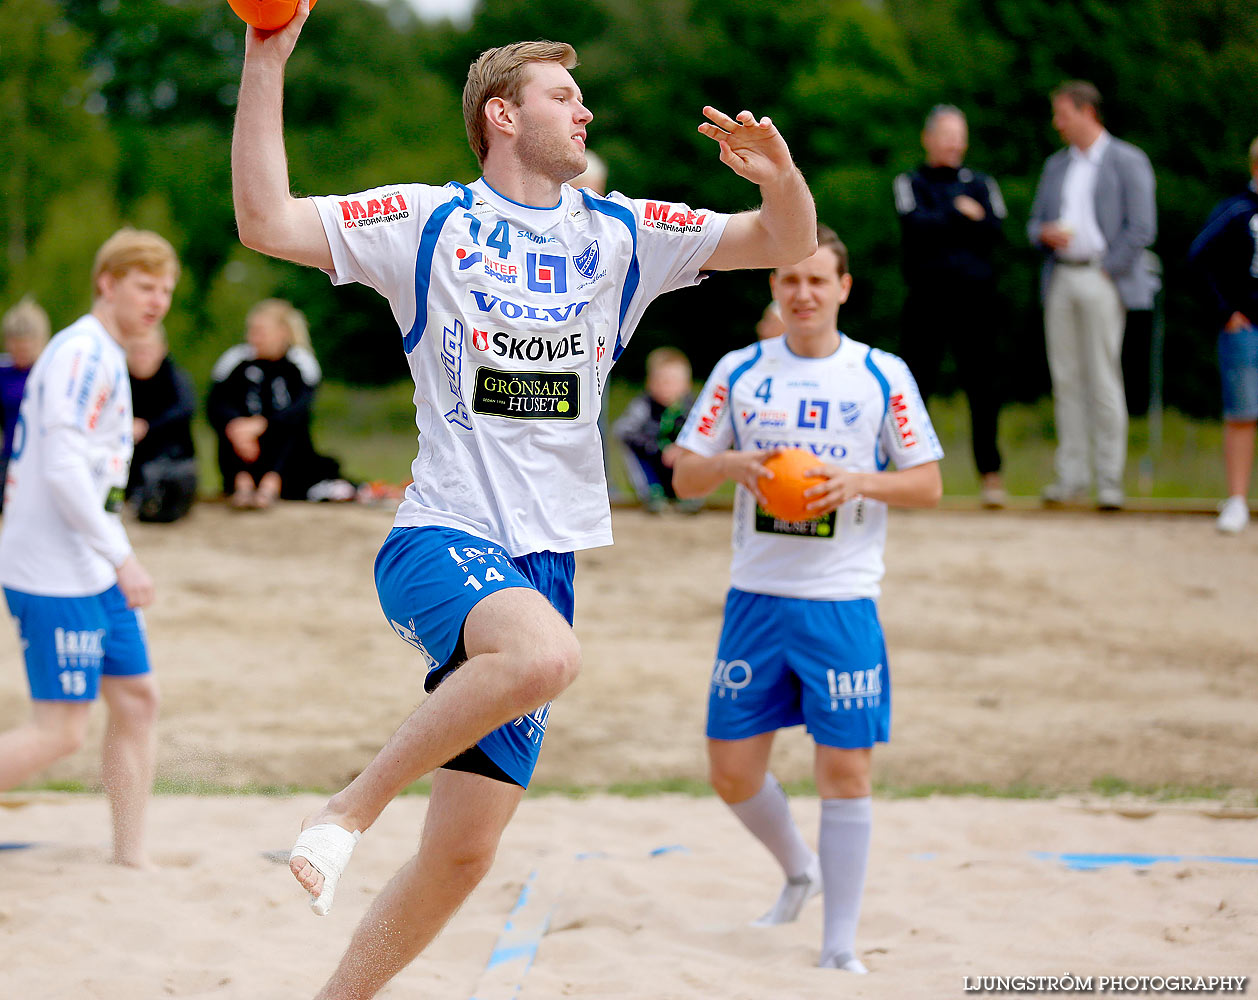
x,y
121,110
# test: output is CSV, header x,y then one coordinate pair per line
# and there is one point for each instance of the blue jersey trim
x,y
534,208
423,263
610,208
91,372
738,373
880,458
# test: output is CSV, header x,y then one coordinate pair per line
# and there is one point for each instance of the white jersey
x,y
62,535
511,318
858,408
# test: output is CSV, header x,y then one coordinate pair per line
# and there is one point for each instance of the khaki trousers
x,y
1083,325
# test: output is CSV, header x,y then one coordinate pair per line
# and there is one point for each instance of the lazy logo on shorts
x,y
407,633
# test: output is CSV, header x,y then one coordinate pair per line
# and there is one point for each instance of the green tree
x,y
59,157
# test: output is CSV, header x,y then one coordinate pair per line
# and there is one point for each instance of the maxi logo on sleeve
x,y
661,215
527,395
390,208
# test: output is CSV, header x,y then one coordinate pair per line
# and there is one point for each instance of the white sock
x,y
767,814
844,848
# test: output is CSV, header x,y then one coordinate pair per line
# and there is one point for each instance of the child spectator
x,y
650,425
260,406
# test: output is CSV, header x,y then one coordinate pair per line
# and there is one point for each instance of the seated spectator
x,y
163,481
260,407
650,425
26,331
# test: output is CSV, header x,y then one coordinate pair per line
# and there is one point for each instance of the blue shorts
x,y
430,578
1238,364
783,661
71,642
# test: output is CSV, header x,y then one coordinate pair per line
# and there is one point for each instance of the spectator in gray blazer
x,y
1094,216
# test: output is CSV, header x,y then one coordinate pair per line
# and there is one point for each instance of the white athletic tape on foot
x,y
327,847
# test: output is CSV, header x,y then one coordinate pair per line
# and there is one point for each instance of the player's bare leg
x,y
128,761
55,729
466,816
521,654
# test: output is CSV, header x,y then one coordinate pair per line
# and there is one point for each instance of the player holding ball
x,y
801,641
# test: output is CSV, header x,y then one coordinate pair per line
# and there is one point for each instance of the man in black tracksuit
x,y
1225,254
950,220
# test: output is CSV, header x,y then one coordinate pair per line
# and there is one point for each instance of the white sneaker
x,y
795,894
992,492
846,961
1233,515
1110,498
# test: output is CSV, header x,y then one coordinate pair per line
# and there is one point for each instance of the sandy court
x,y
1034,650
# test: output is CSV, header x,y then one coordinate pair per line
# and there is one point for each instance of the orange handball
x,y
266,14
784,493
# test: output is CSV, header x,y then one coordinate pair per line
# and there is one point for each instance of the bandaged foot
x,y
795,894
326,848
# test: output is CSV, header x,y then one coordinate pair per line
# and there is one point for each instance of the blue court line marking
x,y
1090,861
17,845
521,943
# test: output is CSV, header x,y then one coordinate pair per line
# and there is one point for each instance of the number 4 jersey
x,y
859,409
511,318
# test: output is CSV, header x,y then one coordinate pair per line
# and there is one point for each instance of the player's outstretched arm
x,y
269,219
783,231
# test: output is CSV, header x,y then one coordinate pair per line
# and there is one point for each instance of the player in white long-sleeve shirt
x,y
801,641
70,577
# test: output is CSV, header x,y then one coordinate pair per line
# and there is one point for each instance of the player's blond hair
x,y
130,248
27,321
500,73
286,315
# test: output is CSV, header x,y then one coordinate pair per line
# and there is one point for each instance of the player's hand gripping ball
x,y
784,493
266,14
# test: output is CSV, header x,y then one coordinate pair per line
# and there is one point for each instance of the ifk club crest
x,y
586,262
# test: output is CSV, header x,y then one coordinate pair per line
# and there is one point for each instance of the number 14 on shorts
x,y
469,559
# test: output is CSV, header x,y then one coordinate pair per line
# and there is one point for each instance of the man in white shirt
x,y
513,295
69,574
1094,216
801,641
